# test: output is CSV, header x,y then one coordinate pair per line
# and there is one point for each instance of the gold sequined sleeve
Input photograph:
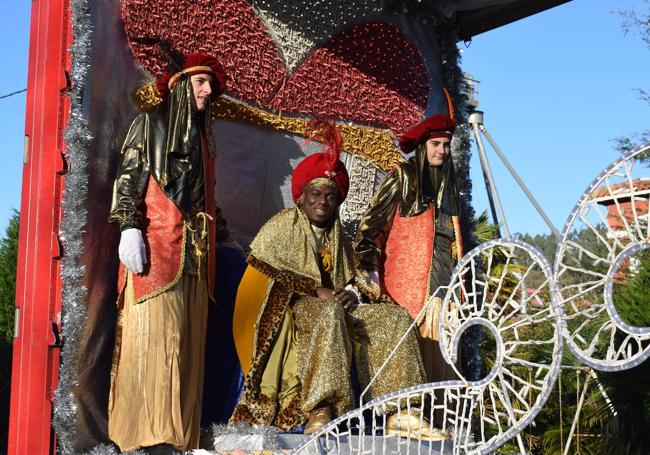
x,y
131,181
376,223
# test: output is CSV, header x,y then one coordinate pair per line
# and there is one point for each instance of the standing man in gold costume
x,y
409,238
163,202
303,309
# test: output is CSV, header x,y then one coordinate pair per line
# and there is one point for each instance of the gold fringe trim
x,y
201,231
373,144
456,246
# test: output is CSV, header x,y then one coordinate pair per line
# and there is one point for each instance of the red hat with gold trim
x,y
439,125
152,94
196,63
324,167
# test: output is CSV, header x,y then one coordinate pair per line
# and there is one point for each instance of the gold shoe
x,y
318,418
411,425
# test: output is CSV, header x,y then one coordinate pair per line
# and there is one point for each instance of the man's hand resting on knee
x,y
345,297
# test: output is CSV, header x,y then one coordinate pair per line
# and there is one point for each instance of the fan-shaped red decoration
x,y
370,73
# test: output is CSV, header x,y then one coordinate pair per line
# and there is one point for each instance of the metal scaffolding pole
x,y
521,183
475,120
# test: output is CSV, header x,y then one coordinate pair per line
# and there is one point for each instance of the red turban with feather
x,y
324,164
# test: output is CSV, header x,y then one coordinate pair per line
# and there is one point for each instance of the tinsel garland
x,y
74,294
109,449
224,436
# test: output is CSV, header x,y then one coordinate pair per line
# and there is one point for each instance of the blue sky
x,y
14,46
555,89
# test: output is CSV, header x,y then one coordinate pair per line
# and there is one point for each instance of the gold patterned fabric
x,y
147,96
373,144
373,329
325,354
157,372
287,243
324,338
321,336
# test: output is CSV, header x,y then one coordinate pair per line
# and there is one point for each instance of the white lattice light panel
x,y
526,310
612,217
488,289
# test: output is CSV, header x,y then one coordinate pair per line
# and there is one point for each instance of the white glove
x,y
374,275
133,253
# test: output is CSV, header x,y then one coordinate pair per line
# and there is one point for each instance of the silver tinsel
x,y
73,301
108,449
298,26
238,435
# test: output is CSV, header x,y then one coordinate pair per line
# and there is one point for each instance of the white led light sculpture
x,y
612,217
490,288
487,289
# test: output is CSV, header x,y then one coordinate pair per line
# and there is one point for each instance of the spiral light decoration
x,y
607,228
489,288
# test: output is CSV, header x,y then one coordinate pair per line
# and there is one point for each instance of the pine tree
x,y
8,259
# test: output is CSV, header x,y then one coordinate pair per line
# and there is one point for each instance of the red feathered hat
x,y
194,64
324,164
435,126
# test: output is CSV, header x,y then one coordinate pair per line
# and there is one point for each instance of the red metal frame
x,y
38,283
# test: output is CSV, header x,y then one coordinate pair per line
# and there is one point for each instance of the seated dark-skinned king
x,y
303,310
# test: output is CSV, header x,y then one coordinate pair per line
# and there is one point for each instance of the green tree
x,y
623,432
632,296
550,430
484,230
626,433
8,259
545,243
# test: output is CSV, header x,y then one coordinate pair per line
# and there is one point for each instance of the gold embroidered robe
x,y
283,333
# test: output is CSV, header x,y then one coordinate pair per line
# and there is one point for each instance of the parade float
x,y
376,68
